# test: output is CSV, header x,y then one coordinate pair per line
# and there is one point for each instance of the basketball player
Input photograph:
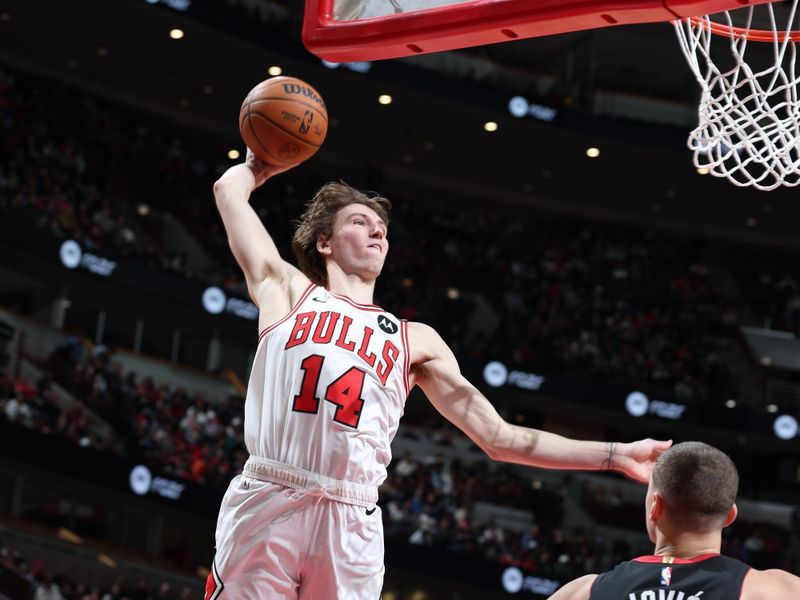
x,y
689,501
326,393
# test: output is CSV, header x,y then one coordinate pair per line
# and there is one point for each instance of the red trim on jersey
x,y
406,354
214,585
371,307
302,299
672,560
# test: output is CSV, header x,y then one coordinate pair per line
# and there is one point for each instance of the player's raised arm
x,y
436,371
252,246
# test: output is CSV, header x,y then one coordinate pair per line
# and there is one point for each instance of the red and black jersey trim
x,y
406,355
214,585
672,560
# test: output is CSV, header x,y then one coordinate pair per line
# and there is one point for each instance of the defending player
x,y
691,498
326,393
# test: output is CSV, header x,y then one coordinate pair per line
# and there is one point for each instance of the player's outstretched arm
x,y
436,371
577,589
770,585
252,246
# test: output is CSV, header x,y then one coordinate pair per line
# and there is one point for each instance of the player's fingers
x,y
661,446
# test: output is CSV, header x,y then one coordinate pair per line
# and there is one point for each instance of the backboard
x,y
356,30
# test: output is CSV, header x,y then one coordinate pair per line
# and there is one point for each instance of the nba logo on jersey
x,y
666,575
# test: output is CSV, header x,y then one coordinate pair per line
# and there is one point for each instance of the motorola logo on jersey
x,y
785,427
387,325
214,300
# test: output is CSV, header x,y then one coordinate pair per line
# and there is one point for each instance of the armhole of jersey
x,y
302,299
406,354
594,584
744,577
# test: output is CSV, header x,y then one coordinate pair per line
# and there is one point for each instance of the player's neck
x,y
354,287
688,545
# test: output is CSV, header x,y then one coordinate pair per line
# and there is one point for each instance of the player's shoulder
x,y
276,298
421,330
426,345
770,584
425,339
577,589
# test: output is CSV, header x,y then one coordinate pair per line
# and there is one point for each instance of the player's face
x,y
358,243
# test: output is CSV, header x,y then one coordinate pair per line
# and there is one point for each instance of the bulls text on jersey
x,y
327,326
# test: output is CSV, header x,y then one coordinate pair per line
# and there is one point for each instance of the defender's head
x,y
693,489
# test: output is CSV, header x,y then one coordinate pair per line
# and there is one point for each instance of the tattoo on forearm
x,y
608,461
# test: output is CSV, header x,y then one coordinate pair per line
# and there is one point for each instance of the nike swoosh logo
x,y
371,510
319,300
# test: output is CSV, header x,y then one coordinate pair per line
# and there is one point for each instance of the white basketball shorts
x,y
277,543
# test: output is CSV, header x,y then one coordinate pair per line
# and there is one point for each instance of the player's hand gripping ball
x,y
283,121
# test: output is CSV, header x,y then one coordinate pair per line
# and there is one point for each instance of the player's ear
x,y
732,514
656,508
323,245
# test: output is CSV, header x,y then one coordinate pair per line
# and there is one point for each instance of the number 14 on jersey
x,y
344,392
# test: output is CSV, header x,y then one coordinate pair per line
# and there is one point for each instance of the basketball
x,y
283,120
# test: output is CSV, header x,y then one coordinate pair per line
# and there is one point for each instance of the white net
x,y
749,114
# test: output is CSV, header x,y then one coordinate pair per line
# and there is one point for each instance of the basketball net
x,y
748,115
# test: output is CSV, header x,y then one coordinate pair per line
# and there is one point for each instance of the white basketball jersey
x,y
328,387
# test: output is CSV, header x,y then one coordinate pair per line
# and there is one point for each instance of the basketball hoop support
x,y
479,22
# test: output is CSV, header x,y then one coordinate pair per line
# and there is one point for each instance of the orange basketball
x,y
283,121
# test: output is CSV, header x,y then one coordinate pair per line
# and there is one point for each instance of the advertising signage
x,y
71,256
212,299
499,580
637,403
57,454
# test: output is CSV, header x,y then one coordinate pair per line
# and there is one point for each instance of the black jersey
x,y
706,577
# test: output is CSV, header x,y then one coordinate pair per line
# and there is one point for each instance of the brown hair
x,y
698,483
318,220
